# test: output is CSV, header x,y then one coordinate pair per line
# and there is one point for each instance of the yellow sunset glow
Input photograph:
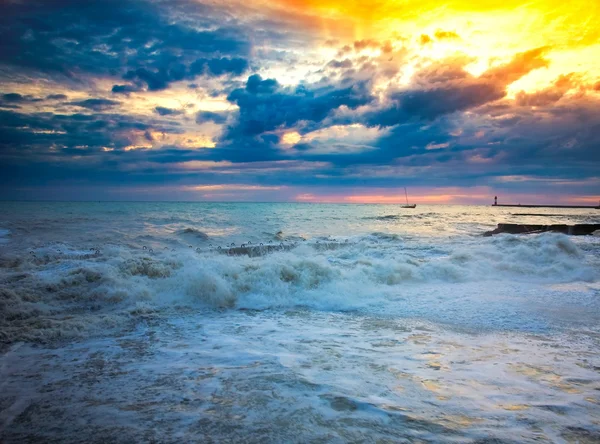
x,y
348,100
490,32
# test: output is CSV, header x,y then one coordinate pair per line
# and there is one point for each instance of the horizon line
x,y
285,202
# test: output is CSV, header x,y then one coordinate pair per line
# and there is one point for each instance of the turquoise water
x,y
171,322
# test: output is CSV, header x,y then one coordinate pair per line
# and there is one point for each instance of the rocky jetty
x,y
574,230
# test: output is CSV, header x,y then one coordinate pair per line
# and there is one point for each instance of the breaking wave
x,y
52,293
194,232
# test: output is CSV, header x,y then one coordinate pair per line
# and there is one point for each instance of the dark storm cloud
x,y
43,137
434,102
218,66
12,97
256,85
497,140
209,116
96,104
158,79
134,38
341,64
429,130
264,105
149,44
447,127
161,110
446,88
34,134
56,97
423,120
125,89
569,133
16,98
248,148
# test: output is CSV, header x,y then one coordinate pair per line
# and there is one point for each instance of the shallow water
x,y
130,322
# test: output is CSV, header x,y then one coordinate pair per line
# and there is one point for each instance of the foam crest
x,y
51,294
194,233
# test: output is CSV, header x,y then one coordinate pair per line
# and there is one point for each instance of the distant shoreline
x,y
547,206
300,202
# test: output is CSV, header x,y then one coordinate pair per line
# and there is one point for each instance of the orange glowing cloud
x,y
489,31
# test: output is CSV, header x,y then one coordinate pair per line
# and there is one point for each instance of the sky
x,y
301,100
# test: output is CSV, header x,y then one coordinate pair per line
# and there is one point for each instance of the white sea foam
x,y
374,273
399,328
302,376
194,233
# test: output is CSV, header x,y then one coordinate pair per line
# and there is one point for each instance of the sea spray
x,y
398,329
365,274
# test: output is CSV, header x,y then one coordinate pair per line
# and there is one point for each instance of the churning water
x,y
170,322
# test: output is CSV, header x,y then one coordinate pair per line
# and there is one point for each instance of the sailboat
x,y
407,204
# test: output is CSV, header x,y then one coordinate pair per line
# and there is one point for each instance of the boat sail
x,y
407,204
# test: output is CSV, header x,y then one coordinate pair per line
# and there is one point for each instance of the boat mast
x,y
406,194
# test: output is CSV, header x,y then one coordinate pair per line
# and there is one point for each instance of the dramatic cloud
x,y
96,104
209,116
265,105
160,78
298,99
449,88
161,110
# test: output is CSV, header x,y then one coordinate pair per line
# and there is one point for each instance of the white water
x,y
372,322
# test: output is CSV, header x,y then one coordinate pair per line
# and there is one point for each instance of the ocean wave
x,y
392,217
50,295
386,217
281,236
4,233
379,236
194,232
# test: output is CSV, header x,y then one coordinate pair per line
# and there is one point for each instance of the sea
x,y
125,322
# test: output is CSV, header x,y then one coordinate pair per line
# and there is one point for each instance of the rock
x,y
195,233
255,250
574,230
